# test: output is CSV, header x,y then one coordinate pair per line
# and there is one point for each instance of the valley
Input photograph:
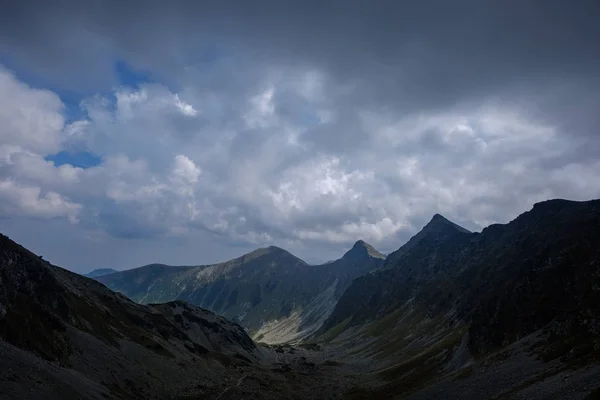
x,y
511,312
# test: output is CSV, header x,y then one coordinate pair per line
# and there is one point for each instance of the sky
x,y
191,132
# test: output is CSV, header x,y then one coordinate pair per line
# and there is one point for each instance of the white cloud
x,y
31,118
30,201
185,108
185,169
258,169
32,125
262,109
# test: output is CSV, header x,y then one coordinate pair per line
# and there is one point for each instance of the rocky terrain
x,y
276,296
508,313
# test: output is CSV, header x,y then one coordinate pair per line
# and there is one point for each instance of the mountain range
x,y
276,296
449,297
510,312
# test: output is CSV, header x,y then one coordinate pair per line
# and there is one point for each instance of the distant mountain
x,y
449,296
322,285
272,293
99,272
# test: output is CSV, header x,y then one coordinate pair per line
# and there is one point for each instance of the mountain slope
x,y
429,253
272,293
99,272
324,285
449,297
98,343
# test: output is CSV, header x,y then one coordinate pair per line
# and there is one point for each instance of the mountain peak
x,y
439,222
268,251
438,217
360,243
362,248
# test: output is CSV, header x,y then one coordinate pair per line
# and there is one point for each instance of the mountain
x,y
449,298
99,272
512,312
276,296
362,250
67,336
427,254
437,230
323,285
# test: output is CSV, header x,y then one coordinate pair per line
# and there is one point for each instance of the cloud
x,y
185,170
29,201
33,118
250,128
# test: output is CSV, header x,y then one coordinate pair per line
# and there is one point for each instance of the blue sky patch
x,y
69,98
81,159
127,76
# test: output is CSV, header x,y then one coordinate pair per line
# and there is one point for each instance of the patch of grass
x,y
411,325
384,324
310,346
420,361
335,331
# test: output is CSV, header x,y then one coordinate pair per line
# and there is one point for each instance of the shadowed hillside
x,y
450,297
103,341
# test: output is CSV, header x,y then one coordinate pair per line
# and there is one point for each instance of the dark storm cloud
x,y
422,51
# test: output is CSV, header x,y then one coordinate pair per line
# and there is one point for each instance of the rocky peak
x,y
363,249
437,229
439,224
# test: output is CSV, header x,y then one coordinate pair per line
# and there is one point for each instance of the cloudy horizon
x,y
192,132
